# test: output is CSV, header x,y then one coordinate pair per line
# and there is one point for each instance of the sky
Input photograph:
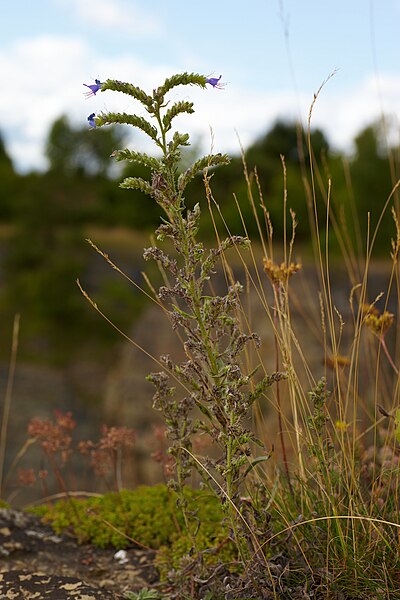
x,y
272,54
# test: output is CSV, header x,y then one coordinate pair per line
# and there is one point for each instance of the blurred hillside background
x,y
59,186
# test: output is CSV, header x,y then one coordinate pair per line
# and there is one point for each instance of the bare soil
x,y
37,564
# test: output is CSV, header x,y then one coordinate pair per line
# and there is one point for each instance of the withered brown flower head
x,y
370,309
379,324
280,273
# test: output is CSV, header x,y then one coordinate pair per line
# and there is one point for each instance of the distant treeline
x,y
48,211
80,183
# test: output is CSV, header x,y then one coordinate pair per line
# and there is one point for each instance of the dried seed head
x,y
280,273
369,309
379,324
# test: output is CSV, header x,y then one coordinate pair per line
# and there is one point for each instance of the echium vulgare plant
x,y
211,376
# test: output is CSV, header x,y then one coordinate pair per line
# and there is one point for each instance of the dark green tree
x,y
133,209
74,151
284,138
371,180
9,183
287,140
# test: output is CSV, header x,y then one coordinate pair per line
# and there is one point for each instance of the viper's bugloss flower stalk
x,y
214,376
215,82
94,88
91,120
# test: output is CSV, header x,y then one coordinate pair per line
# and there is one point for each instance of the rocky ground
x,y
37,564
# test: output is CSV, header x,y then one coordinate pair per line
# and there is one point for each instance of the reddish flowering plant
x,y
160,455
115,438
54,436
26,477
100,460
55,439
106,454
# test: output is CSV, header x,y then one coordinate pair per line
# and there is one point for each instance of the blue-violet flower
x,y
214,81
91,120
94,88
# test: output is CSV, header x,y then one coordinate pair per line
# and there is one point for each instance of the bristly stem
x,y
211,376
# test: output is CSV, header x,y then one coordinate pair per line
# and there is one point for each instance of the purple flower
x,y
91,120
214,81
94,88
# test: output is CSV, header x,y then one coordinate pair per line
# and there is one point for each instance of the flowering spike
x,y
215,82
180,79
91,120
94,88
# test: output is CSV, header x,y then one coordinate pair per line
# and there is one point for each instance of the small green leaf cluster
x,y
319,444
215,546
318,396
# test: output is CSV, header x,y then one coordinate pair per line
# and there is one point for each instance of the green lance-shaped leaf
x,y
137,183
177,109
139,122
138,157
131,90
256,461
211,160
182,79
203,408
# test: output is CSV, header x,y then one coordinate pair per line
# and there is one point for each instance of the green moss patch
x,y
148,515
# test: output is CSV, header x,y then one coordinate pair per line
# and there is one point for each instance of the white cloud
x,y
37,90
119,15
42,78
28,152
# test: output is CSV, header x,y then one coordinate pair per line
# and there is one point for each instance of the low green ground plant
x,y
147,516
